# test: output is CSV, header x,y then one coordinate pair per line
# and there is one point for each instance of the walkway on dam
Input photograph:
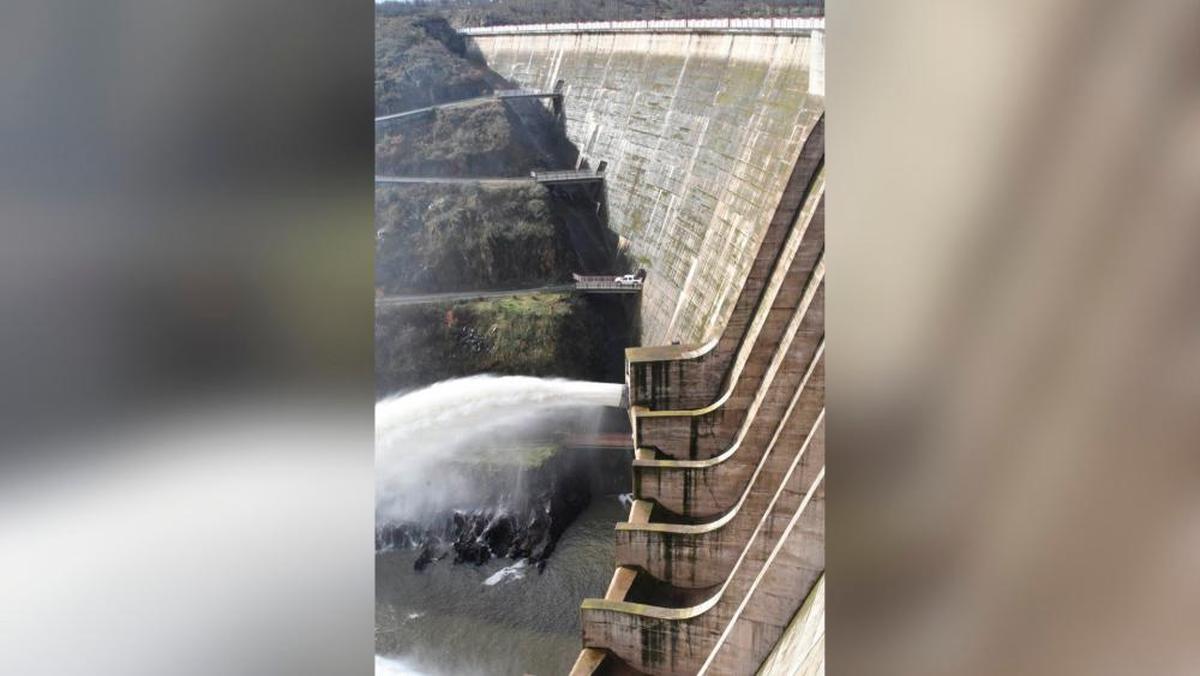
x,y
499,95
427,298
611,440
454,181
607,284
608,287
565,177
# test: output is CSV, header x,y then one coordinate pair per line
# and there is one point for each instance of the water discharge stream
x,y
506,616
418,433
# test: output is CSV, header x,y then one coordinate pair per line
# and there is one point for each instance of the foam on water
x,y
507,574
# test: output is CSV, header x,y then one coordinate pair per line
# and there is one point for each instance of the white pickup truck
x,y
628,280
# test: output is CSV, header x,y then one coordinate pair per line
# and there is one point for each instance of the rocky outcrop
x,y
517,527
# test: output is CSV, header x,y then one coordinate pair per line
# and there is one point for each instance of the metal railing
x,y
605,283
566,176
522,93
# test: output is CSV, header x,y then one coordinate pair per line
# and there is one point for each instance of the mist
x,y
424,439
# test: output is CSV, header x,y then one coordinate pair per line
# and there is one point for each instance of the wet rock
x,y
424,559
527,527
498,535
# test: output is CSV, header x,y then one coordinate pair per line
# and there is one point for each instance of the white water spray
x,y
416,433
390,666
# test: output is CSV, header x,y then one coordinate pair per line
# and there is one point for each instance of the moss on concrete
x,y
701,132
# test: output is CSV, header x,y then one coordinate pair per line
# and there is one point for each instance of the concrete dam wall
x,y
700,130
714,144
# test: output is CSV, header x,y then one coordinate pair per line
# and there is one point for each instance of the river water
x,y
448,620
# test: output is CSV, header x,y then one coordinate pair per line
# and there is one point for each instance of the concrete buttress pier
x,y
714,139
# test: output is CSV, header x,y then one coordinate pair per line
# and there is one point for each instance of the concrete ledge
x,y
636,355
706,488
588,662
621,583
660,640
702,555
710,431
644,454
639,514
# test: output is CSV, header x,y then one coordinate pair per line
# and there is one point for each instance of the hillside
x,y
413,68
443,237
505,12
458,237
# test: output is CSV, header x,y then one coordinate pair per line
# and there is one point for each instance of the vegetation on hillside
x,y
449,237
484,139
464,237
416,64
420,61
543,335
502,12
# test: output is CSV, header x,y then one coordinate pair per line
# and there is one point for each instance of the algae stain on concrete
x,y
634,102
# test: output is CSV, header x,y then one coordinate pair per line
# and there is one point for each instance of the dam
x,y
712,138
